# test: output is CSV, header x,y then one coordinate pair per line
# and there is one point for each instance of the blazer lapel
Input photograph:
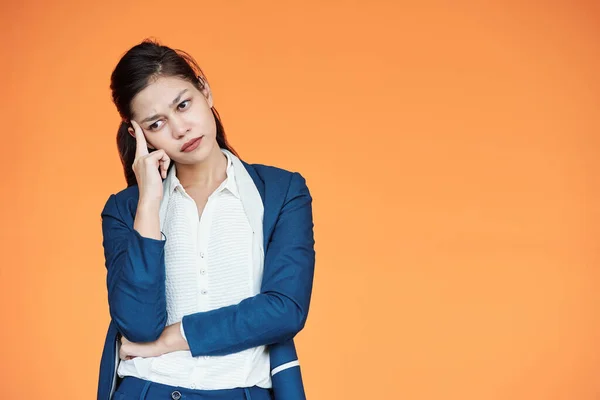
x,y
249,195
272,188
260,186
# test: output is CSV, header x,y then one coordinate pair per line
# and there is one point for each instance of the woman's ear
x,y
206,91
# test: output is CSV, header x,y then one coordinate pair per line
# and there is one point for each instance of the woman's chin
x,y
202,153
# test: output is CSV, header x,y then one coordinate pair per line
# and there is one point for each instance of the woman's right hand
x,y
146,168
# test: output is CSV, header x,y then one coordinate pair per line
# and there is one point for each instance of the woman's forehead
x,y
159,93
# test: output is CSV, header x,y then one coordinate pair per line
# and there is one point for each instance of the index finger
x,y
141,148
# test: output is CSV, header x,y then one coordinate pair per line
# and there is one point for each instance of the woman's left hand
x,y
170,340
131,350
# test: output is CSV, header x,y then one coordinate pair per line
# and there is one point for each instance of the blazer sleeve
x,y
280,310
135,277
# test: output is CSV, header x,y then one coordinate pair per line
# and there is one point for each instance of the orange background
x,y
451,150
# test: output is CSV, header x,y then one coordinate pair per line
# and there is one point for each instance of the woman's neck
x,y
207,173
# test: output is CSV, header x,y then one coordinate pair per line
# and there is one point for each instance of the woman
x,y
210,260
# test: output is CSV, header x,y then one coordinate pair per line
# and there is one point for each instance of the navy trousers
x,y
132,388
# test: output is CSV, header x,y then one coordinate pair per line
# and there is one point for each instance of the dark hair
x,y
136,70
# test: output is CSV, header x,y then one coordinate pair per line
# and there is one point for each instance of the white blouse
x,y
213,260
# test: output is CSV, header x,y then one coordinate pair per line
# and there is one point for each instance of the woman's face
x,y
171,112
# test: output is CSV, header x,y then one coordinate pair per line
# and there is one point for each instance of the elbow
x,y
140,331
140,315
299,322
140,323
293,318
293,327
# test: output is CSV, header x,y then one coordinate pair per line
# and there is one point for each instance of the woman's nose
x,y
179,127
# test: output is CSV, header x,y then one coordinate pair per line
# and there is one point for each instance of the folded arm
x,y
280,310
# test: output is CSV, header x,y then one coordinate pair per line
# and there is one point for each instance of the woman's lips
x,y
191,145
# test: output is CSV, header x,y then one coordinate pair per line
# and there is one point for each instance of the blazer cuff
x,y
182,331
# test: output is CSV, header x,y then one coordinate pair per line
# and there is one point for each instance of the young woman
x,y
210,260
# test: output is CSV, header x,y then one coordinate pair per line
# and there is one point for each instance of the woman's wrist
x,y
147,221
171,340
150,205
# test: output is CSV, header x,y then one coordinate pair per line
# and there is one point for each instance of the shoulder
x,y
127,193
279,183
119,202
271,175
270,172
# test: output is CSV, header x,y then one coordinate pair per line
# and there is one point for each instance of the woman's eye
x,y
154,126
183,105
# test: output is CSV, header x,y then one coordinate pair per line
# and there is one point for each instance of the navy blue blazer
x,y
136,285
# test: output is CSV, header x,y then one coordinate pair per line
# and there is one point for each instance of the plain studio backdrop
x,y
451,149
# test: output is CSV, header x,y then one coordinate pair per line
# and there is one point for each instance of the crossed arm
x,y
136,287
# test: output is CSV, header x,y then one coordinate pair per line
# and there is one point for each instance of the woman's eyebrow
x,y
174,102
178,97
